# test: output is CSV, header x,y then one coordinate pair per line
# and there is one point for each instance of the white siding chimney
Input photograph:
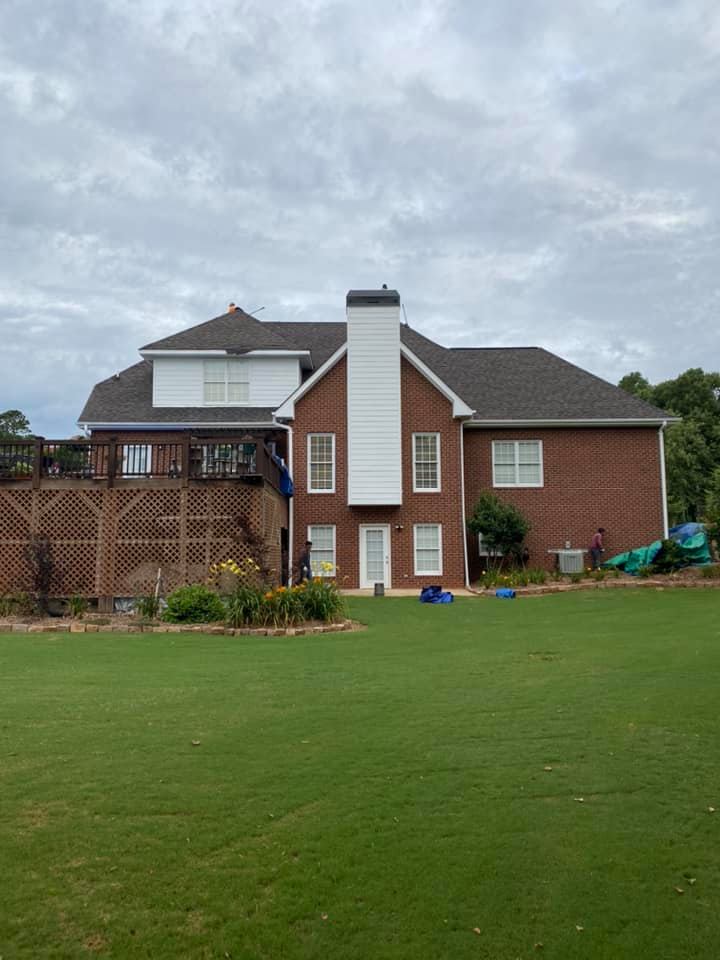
x,y
373,398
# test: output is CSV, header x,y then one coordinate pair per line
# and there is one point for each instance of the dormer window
x,y
226,382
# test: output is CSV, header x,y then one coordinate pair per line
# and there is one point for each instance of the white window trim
x,y
309,464
425,573
416,488
507,486
484,550
226,402
324,573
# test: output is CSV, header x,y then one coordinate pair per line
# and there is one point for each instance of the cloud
x,y
523,173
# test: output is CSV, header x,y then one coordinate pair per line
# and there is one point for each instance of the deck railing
x,y
191,459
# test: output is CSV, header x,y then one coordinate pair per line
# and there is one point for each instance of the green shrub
x,y
194,604
537,575
147,607
244,607
710,572
16,604
646,571
321,600
577,577
283,607
502,525
670,558
77,606
597,574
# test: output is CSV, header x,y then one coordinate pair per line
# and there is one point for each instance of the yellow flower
x,y
268,595
281,589
317,579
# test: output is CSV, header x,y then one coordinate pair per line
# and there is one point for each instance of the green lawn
x,y
370,795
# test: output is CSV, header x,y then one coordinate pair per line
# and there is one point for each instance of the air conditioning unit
x,y
570,561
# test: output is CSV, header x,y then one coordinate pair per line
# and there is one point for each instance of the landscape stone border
x,y
537,590
76,626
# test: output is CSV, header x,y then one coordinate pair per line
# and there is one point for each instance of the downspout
x,y
462,504
291,504
663,478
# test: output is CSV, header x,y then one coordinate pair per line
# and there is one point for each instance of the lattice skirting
x,y
111,541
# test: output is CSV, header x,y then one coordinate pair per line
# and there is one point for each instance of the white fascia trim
x,y
224,353
186,425
286,410
460,408
619,422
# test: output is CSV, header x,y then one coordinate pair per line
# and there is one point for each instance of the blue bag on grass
x,y
505,593
435,595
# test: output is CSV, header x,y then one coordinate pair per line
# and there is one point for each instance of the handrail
x,y
196,459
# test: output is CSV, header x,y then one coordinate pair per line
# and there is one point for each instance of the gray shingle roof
x,y
529,383
499,383
236,331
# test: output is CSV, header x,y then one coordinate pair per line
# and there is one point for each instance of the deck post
x,y
112,461
37,463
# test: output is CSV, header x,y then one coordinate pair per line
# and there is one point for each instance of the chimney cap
x,y
232,308
373,298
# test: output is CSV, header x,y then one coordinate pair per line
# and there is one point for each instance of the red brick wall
x,y
605,477
424,409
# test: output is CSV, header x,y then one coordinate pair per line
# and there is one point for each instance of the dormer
x,y
230,361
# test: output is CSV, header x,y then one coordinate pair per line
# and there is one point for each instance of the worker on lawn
x,y
305,562
597,548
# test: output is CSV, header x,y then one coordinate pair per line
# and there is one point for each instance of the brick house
x,y
390,437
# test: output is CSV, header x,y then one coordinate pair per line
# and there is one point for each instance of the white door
x,y
374,555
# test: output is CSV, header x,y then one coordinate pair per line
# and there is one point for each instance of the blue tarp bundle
x,y
505,593
435,595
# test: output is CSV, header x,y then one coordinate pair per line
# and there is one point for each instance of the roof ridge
x,y
237,315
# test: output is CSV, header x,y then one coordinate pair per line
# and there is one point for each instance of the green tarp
x,y
695,549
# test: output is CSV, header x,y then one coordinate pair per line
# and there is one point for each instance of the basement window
x,y
322,551
428,549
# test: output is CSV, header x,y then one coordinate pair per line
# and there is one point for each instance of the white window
x,y
136,459
226,382
484,550
517,463
426,462
321,463
322,550
428,549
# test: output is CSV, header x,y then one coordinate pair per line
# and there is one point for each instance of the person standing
x,y
597,548
305,562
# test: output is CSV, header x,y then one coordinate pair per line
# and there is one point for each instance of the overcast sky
x,y
525,173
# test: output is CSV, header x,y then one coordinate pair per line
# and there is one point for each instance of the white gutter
x,y
184,425
462,506
663,479
291,504
605,422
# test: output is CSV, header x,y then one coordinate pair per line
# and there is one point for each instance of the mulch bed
x,y
689,577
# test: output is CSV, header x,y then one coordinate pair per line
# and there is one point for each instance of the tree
x,y
14,425
636,384
689,463
502,525
692,449
693,394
